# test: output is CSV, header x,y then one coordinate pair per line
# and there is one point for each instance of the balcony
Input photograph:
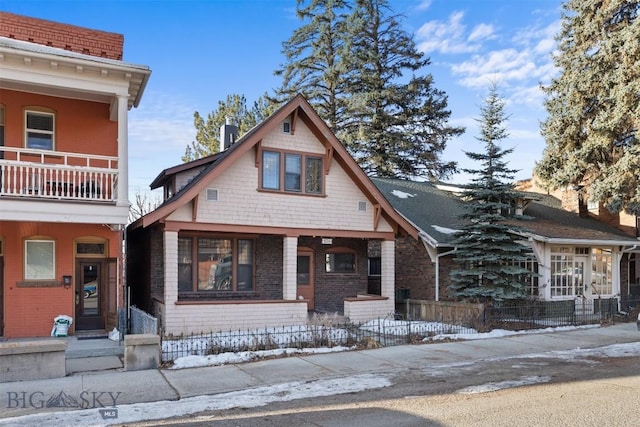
x,y
55,175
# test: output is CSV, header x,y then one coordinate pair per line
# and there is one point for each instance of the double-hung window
x,y
292,172
39,259
39,130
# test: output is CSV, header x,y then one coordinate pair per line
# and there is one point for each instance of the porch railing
x,y
38,174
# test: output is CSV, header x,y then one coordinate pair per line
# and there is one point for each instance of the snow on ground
x,y
199,357
500,333
250,398
495,386
249,356
261,396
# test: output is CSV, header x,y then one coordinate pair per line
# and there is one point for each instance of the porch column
x,y
388,269
170,268
123,151
289,267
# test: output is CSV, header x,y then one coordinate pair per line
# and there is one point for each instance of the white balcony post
x,y
123,151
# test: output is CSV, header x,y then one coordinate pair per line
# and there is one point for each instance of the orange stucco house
x,y
65,94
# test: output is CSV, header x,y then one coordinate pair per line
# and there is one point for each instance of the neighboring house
x,y
64,98
577,200
260,234
575,257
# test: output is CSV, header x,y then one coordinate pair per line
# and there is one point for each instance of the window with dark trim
x,y
340,260
215,264
292,172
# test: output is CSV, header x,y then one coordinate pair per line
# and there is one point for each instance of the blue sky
x,y
200,51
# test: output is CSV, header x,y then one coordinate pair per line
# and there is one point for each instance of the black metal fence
x,y
544,314
330,332
372,334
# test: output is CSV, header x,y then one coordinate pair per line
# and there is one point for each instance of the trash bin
x,y
61,325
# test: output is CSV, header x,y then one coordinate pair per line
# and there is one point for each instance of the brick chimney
x,y
87,41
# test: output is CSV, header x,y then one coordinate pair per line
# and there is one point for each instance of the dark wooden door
x,y
90,292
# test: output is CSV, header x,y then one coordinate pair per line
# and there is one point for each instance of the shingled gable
x,y
299,109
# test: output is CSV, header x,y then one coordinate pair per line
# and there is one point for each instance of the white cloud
x,y
445,37
481,32
424,5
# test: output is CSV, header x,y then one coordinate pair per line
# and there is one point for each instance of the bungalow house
x,y
273,227
65,94
576,258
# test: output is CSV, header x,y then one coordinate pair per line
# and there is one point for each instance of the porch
x,y
57,175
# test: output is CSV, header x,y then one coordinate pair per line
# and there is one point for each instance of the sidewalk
x,y
115,387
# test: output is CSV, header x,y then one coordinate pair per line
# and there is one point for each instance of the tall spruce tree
x,y
365,77
592,130
488,255
315,59
234,107
397,123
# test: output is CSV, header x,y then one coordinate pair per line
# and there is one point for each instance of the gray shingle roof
x,y
437,212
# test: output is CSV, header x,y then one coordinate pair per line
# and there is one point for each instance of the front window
x,y
340,261
222,264
39,130
601,272
39,260
292,172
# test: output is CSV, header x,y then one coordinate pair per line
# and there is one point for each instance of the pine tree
x,y
592,129
235,107
365,77
315,56
488,253
398,119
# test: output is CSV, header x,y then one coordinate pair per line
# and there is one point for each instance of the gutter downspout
x,y
438,271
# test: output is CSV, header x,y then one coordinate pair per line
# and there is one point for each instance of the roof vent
x,y
212,194
228,133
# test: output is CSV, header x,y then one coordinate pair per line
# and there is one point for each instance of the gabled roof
x,y
218,163
436,213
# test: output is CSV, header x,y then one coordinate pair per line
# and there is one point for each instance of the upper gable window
x,y
292,172
39,130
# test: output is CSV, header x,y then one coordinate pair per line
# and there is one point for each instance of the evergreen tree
x,y
592,130
363,74
488,252
315,59
235,107
398,119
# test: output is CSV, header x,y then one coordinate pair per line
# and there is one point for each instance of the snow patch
x,y
401,194
444,230
485,388
250,398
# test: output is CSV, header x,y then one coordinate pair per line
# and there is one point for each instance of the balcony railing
x,y
39,174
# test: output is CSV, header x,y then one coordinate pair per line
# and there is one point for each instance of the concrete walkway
x,y
115,385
